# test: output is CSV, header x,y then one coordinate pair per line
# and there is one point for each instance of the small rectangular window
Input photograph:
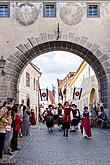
x,y
93,10
49,10
4,10
34,83
37,84
27,79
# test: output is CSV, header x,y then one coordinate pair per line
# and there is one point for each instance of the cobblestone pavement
x,y
53,149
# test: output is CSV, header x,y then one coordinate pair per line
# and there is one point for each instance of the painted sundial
x,y
71,13
26,14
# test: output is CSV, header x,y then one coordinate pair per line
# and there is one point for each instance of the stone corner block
x,y
98,53
33,41
76,39
28,46
94,47
83,40
22,48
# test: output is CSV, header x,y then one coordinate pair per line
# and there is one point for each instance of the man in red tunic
x,y
66,118
60,115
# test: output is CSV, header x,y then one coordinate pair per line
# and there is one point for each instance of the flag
x,y
44,94
64,91
77,93
53,90
60,95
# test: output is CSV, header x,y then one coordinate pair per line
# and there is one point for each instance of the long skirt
x,y
85,127
49,121
25,127
33,120
74,122
66,125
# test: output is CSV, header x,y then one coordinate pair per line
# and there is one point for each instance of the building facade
x,y
85,79
64,89
29,87
37,27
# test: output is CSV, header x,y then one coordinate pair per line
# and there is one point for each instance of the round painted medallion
x,y
27,14
71,13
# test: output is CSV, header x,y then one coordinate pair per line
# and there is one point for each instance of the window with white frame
x,y
4,10
49,9
93,10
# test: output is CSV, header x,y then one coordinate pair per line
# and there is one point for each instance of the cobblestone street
x,y
54,149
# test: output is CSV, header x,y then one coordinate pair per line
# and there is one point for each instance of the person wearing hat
x,y
3,122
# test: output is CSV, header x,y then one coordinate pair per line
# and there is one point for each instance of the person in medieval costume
x,y
32,117
55,115
66,118
44,116
76,118
49,118
60,116
85,125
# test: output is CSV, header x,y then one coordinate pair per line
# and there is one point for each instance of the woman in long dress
x,y
32,117
25,123
85,125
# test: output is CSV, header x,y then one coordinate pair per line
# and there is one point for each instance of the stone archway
x,y
90,52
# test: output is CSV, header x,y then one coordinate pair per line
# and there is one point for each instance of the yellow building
x,y
85,78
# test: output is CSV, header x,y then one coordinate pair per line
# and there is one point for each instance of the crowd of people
x,y
98,117
68,117
15,121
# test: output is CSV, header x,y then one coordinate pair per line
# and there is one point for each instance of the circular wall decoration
x,y
71,13
27,14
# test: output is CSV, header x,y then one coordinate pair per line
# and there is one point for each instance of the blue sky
x,y
55,65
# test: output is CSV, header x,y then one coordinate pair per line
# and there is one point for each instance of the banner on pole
x,y
64,91
60,95
77,93
44,94
53,90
